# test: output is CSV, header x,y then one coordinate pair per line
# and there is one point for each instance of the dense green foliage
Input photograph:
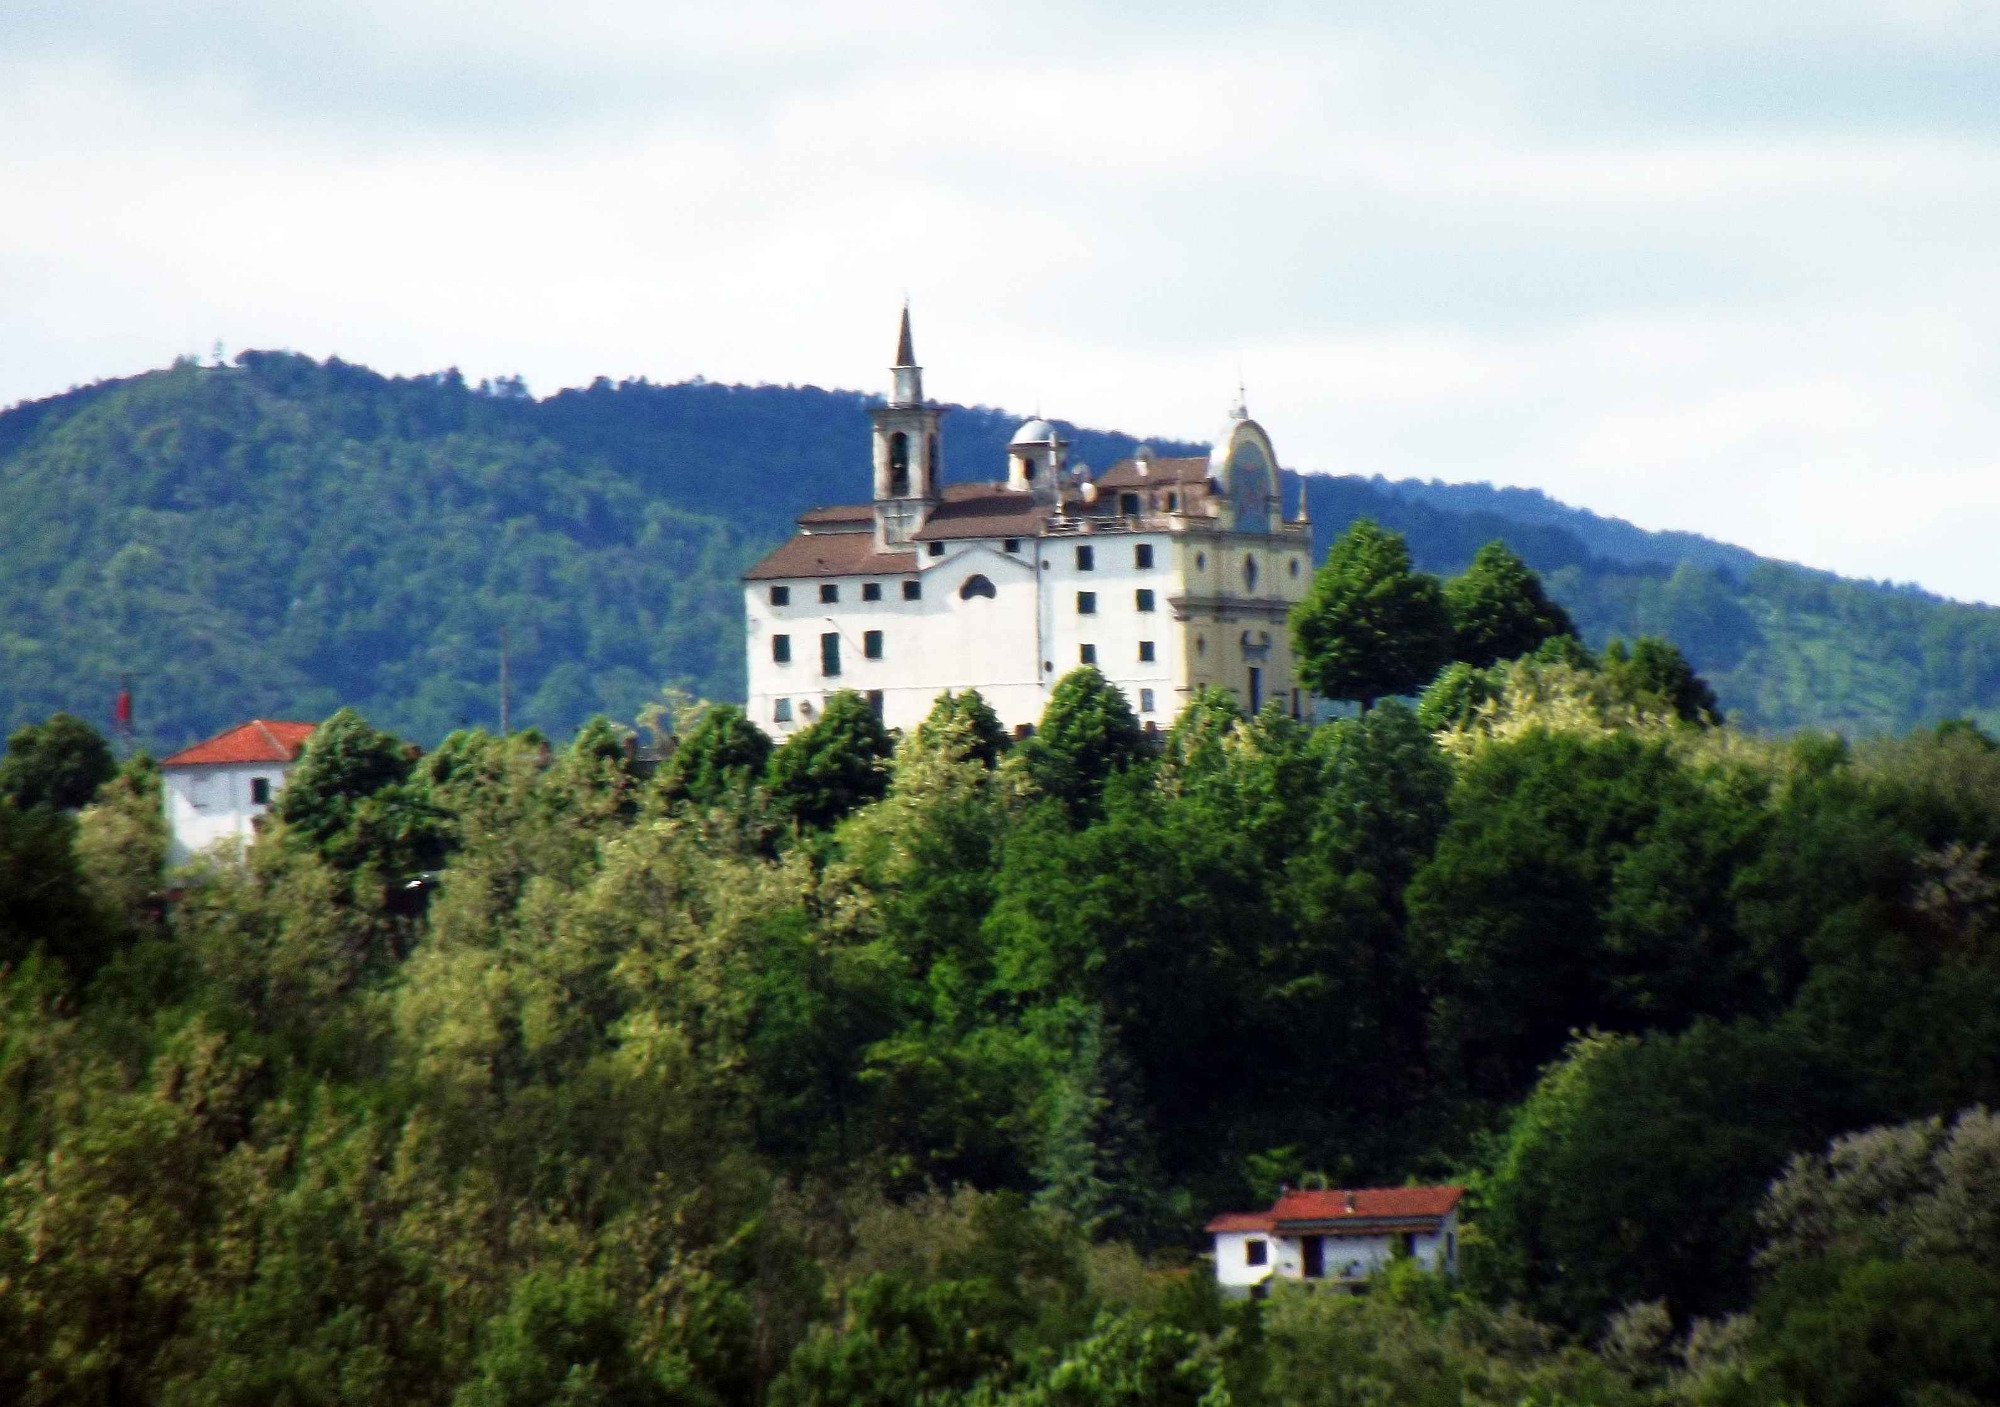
x,y
281,537
1369,626
876,1069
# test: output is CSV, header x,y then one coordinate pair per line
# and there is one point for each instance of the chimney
x,y
1350,1203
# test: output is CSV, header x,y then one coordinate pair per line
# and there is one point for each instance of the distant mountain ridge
x,y
281,536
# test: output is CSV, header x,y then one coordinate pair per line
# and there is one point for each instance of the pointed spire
x,y
907,378
906,353
1241,410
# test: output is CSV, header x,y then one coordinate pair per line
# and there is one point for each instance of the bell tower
x,y
906,449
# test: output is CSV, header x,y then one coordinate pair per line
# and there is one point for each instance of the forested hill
x,y
282,536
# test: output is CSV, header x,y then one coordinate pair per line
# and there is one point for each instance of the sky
x,y
1712,266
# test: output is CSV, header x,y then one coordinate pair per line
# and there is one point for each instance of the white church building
x,y
1166,574
217,791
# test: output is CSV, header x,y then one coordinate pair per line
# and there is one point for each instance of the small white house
x,y
1340,1236
215,792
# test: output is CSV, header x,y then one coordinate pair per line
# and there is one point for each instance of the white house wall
x,y
1346,1257
208,806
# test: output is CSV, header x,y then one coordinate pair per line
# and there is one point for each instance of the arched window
x,y
899,465
1028,468
930,464
976,586
1250,575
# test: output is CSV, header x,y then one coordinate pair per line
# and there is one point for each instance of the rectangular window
x,y
1143,598
781,649
1145,652
1087,653
871,590
875,701
871,644
1086,603
781,595
1013,544
260,791
913,591
781,711
1145,701
829,654
1256,1251
1086,559
1142,556
1128,504
937,549
828,594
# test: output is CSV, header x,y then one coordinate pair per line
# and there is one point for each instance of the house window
x,y
829,653
875,702
781,595
1250,574
913,591
871,644
781,649
937,549
1173,503
1256,1251
976,585
1086,603
1142,556
1145,652
1013,544
1143,598
899,465
1145,701
828,594
1087,654
1295,566
260,791
781,711
1086,559
1201,561
871,590
1128,504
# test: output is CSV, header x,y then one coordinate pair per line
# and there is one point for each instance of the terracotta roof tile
x,y
1367,1203
259,740
837,513
983,510
1239,1221
831,554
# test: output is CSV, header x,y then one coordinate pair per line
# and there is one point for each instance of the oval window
x,y
976,586
1250,574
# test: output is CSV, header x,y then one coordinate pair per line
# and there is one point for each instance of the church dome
x,y
1035,432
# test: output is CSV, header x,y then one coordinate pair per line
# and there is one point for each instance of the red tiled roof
x,y
259,740
1239,1221
1368,1203
1125,473
983,510
831,554
837,513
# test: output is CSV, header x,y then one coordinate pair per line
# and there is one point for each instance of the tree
x,y
723,755
834,764
1370,626
982,736
1499,610
1651,671
1088,735
351,799
59,764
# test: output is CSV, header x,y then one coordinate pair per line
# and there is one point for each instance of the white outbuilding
x,y
1338,1236
217,791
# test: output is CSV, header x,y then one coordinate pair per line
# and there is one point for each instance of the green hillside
x,y
282,536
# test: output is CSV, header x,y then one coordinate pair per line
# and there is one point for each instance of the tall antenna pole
x,y
505,731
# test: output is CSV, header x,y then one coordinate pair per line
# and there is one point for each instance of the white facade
x,y
207,806
1347,1258
1167,575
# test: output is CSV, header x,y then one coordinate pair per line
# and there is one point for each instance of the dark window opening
x,y
1146,702
937,549
1087,654
260,791
829,654
871,590
1028,468
1173,503
913,591
1145,652
930,464
781,711
1143,598
781,595
1086,603
1256,1251
899,465
875,701
1086,559
1256,688
1250,574
829,594
976,586
1142,556
1128,504
1013,544
1314,1249
781,649
871,644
